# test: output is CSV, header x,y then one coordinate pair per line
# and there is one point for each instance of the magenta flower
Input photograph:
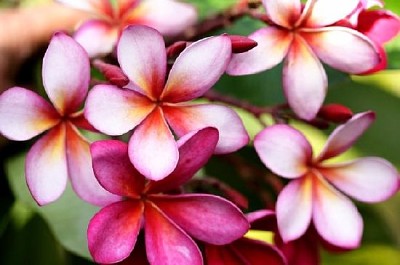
x,y
99,36
62,152
302,36
150,104
168,219
312,193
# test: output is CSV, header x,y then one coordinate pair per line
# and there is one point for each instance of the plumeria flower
x,y
150,104
99,35
62,151
302,36
169,220
312,193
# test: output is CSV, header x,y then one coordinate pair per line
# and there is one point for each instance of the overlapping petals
x,y
313,195
168,219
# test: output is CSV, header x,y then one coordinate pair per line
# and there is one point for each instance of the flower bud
x,y
335,113
241,44
112,73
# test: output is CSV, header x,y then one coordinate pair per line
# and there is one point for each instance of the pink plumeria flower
x,y
168,220
99,36
150,104
302,36
312,193
62,152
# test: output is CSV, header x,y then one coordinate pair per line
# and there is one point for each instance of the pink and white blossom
x,y
302,37
315,192
152,105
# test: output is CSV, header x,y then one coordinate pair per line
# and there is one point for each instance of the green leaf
x,y
208,7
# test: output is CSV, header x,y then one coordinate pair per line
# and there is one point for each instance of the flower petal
x,y
369,179
116,111
335,217
294,208
114,170
193,155
142,57
284,150
151,140
113,231
81,173
272,46
126,5
166,243
344,49
345,135
283,12
24,114
46,166
101,7
197,69
327,12
305,95
221,255
232,134
206,217
97,37
66,73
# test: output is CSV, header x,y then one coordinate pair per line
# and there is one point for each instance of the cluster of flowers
x,y
145,217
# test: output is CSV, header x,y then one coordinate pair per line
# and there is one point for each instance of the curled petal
x,y
113,231
66,73
284,150
370,179
335,217
283,12
97,37
193,155
294,208
46,166
152,140
80,170
206,217
272,46
114,170
166,243
232,134
305,95
116,111
197,69
327,12
345,135
142,57
344,49
24,114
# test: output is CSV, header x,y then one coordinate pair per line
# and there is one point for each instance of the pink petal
x,y
284,150
193,155
166,243
335,217
327,12
66,73
344,49
370,179
46,166
80,170
283,12
162,15
294,208
272,46
24,114
232,134
114,170
152,148
206,217
197,69
305,94
345,135
142,57
113,231
97,37
116,111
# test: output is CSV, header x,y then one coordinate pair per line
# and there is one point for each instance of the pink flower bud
x,y
335,113
241,44
112,73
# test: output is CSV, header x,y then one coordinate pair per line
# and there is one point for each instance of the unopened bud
x,y
335,113
175,49
112,73
241,44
